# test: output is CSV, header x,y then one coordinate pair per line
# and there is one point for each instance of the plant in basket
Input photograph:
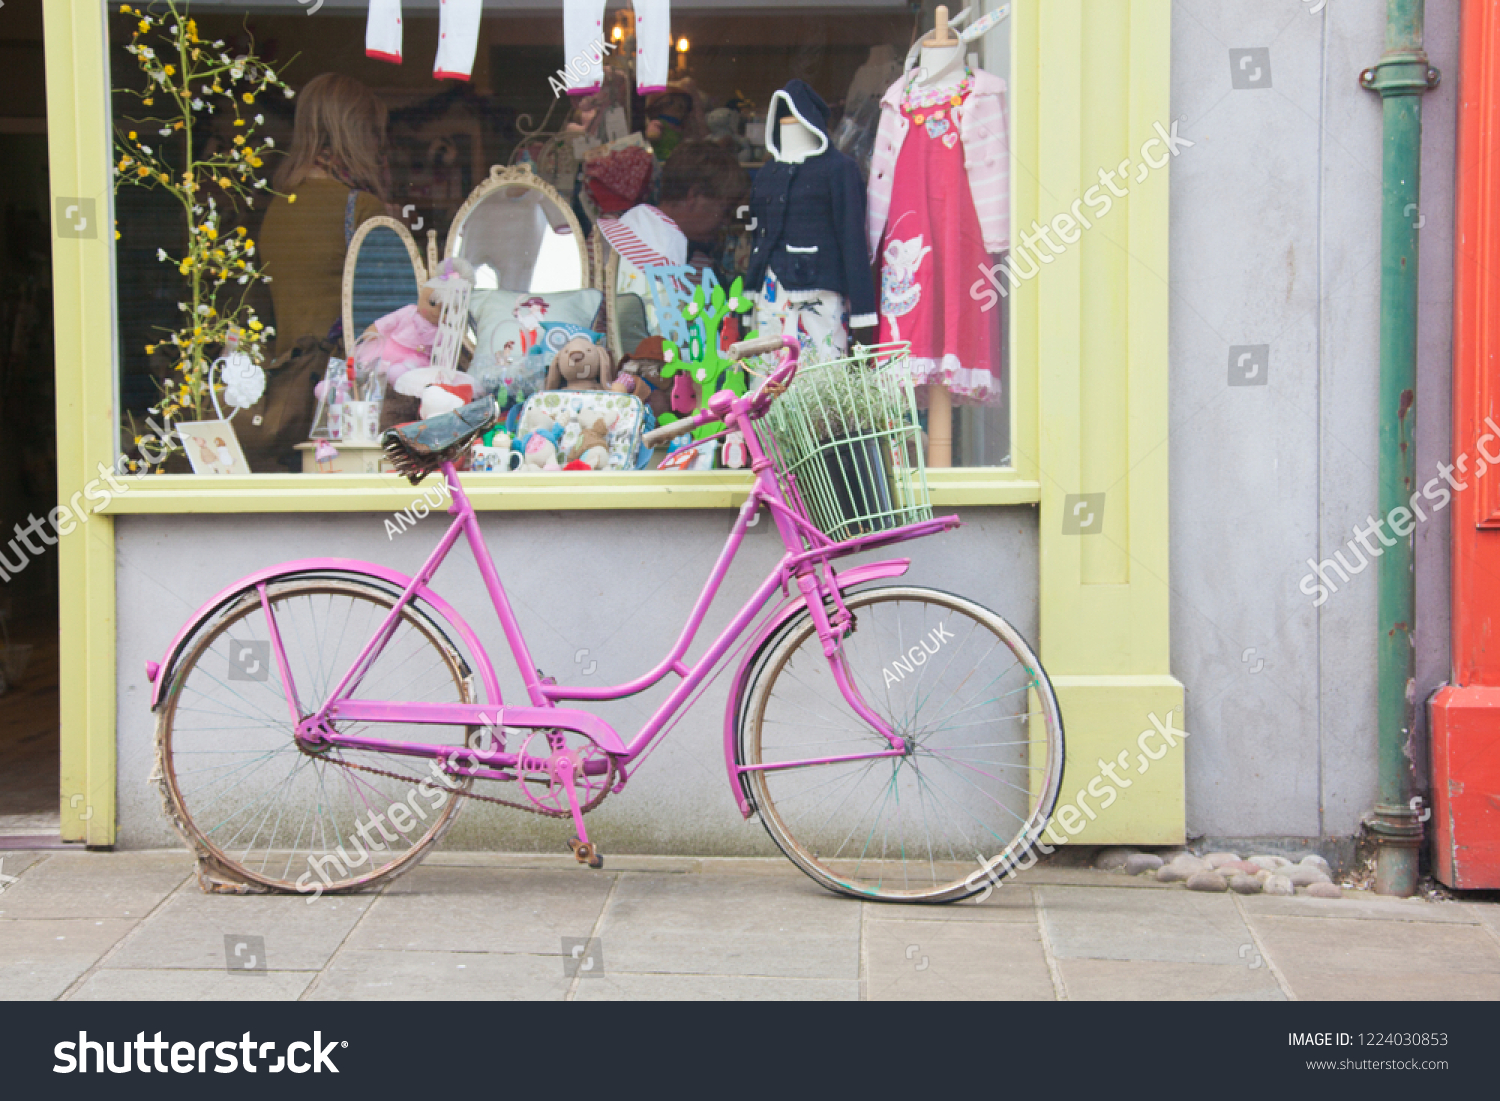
x,y
848,414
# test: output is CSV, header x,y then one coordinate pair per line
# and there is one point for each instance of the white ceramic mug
x,y
361,422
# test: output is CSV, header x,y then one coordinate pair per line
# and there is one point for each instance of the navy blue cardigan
x,y
810,215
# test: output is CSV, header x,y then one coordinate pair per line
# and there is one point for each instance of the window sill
x,y
189,493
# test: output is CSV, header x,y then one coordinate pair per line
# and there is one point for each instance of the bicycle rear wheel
x,y
985,748
264,812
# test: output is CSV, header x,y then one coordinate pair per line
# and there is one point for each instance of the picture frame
x,y
212,447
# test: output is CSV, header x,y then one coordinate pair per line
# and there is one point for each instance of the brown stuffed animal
x,y
580,364
644,366
593,446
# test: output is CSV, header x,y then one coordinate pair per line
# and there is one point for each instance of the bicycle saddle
x,y
419,448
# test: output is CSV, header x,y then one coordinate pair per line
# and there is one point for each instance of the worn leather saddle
x,y
422,447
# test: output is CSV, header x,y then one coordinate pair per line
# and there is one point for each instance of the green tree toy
x,y
702,360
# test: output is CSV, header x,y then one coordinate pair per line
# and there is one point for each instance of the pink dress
x,y
931,248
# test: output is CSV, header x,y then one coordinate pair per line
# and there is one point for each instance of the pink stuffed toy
x,y
401,340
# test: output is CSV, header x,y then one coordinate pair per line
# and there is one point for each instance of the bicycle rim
x,y
978,783
244,793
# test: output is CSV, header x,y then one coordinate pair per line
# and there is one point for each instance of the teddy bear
x,y
592,447
580,364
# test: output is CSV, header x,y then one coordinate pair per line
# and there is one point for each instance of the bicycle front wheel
x,y
985,748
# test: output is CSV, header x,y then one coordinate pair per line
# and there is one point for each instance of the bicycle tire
x,y
793,692
327,800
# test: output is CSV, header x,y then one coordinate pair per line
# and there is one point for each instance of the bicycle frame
x,y
818,586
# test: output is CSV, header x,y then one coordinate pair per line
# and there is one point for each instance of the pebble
x,y
1171,873
1263,875
1244,867
1189,864
1137,863
1324,890
1274,863
1245,885
1279,885
1112,860
1169,855
1207,881
1316,861
1216,860
1305,875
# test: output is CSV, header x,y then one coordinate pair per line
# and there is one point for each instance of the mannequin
x,y
941,67
797,142
938,209
809,271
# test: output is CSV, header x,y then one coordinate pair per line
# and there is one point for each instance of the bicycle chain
x,y
528,806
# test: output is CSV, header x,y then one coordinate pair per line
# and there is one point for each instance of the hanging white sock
x,y
583,45
458,38
653,45
383,31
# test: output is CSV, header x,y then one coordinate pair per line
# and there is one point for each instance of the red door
x,y
1465,717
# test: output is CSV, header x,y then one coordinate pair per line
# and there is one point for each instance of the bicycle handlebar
x,y
774,384
758,347
658,436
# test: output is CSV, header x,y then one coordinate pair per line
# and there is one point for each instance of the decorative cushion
x,y
498,317
557,333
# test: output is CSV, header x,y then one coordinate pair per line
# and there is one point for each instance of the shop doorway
x,y
29,738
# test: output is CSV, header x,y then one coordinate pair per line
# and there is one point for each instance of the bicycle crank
x,y
585,853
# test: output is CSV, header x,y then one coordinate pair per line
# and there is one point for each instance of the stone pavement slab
x,y
714,988
478,909
95,885
1164,926
298,933
1488,915
955,961
193,986
1334,957
1088,980
717,924
1364,906
441,976
42,958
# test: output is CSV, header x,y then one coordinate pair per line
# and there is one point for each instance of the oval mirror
x,y
520,235
382,272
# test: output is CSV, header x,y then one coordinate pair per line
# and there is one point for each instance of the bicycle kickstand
x,y
583,849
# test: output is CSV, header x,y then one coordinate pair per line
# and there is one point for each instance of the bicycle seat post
x,y
460,505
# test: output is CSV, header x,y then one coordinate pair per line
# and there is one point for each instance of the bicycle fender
x,y
160,675
845,579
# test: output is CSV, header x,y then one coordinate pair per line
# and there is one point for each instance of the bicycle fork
x,y
833,630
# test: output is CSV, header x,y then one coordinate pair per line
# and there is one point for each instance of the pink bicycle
x,y
319,721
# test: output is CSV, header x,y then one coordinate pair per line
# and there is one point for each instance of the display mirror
x,y
520,236
383,272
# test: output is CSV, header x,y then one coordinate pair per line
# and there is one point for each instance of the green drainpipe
x,y
1400,77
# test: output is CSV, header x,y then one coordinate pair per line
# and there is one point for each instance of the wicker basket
x,y
847,445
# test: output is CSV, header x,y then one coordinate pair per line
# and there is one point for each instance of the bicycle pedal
x,y
585,853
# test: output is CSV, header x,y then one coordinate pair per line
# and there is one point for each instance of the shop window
x,y
503,216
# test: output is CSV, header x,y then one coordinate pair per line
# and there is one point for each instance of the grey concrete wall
x,y
1276,241
617,585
